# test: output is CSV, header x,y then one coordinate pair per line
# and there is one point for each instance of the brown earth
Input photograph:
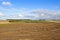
x,y
30,31
3,22
54,21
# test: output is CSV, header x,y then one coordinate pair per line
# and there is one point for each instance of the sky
x,y
30,9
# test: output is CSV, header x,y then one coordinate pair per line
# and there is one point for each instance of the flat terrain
x,y
54,21
30,31
3,22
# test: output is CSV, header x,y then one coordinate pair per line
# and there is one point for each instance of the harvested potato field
x,y
30,31
3,22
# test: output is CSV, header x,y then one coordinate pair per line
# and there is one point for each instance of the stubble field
x,y
30,31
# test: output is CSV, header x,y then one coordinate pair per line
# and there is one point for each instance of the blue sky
x,y
29,9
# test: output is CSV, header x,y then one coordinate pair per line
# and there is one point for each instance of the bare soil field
x,y
30,31
54,21
3,22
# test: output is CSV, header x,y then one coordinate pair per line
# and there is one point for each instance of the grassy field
x,y
30,31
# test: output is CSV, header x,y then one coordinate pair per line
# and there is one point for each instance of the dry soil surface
x,y
30,31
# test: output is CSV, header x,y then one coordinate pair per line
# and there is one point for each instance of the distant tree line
x,y
25,20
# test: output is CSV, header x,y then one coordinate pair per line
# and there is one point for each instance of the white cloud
x,y
36,14
46,14
1,14
6,3
42,14
21,15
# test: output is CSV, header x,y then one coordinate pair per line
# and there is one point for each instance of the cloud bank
x,y
46,14
36,14
6,3
1,14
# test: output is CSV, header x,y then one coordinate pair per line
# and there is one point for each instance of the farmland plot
x,y
30,31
